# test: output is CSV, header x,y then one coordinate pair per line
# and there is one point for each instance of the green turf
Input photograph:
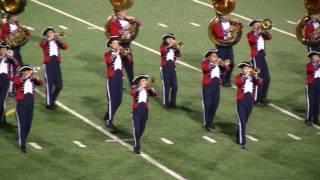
x,y
274,156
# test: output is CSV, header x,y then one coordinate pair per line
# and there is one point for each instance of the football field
x,y
174,145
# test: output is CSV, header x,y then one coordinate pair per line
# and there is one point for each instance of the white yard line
x,y
245,18
195,24
112,140
167,141
29,28
92,27
252,138
209,139
291,22
114,137
318,133
79,144
294,137
35,145
63,27
162,25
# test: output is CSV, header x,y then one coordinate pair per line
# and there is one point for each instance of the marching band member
x,y
114,74
51,46
25,83
256,38
211,69
10,27
140,91
6,60
121,27
169,54
222,29
245,82
312,31
313,88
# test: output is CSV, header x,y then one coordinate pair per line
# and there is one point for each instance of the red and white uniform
x,y
256,41
116,27
310,29
168,54
141,95
52,48
7,28
211,71
246,84
220,29
114,63
25,86
313,72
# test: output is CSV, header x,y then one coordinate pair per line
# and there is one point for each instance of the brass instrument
x,y
178,44
60,35
313,7
225,62
14,7
125,51
255,72
131,34
266,24
121,4
225,7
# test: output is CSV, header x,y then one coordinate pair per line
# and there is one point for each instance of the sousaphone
x,y
313,7
225,7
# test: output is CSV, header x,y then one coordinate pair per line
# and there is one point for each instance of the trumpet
x,y
255,72
225,62
178,44
266,24
60,35
125,51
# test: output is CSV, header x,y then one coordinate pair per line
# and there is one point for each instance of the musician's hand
x,y
130,18
231,29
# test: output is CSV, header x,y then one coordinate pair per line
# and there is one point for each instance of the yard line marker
x,y
35,145
211,140
92,27
167,141
28,27
112,140
195,24
80,144
162,25
63,27
246,18
291,22
158,53
252,138
294,137
318,133
114,137
11,111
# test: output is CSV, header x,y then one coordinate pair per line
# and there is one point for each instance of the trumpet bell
x,y
13,7
235,35
121,4
224,6
266,24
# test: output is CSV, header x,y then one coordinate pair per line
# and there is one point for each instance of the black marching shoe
x,y
136,150
243,147
51,107
109,126
206,128
308,122
23,149
316,122
265,101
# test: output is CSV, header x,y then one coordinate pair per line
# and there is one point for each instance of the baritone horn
x,y
313,7
225,7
